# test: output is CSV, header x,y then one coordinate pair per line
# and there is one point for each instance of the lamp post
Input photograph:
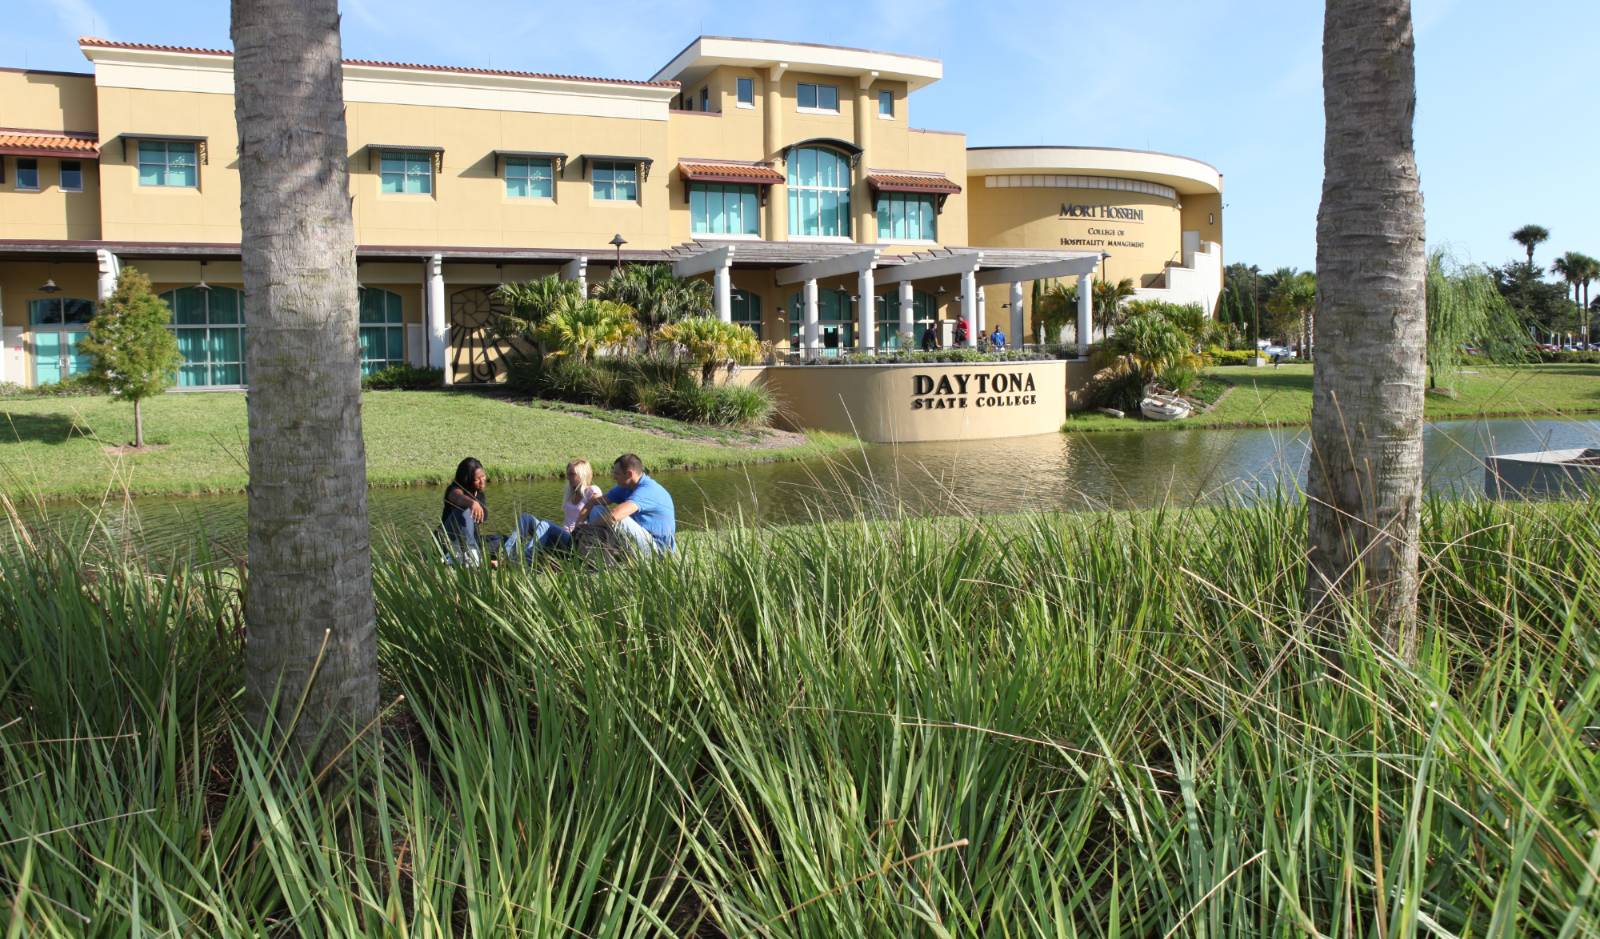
x,y
617,241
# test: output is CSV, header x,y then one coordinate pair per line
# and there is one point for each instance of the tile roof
x,y
729,171
911,182
17,141
93,42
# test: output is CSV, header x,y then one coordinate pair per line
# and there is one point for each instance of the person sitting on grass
x,y
466,508
538,534
637,512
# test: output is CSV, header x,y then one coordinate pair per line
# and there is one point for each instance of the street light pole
x,y
617,241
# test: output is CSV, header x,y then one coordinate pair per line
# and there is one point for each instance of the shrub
x,y
404,378
73,386
728,405
1571,358
1231,356
712,343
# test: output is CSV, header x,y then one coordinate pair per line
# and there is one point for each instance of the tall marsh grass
x,y
1095,726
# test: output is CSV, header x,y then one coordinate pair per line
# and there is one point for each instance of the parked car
x,y
1279,351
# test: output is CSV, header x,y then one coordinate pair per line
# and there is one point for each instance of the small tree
x,y
712,343
529,303
132,353
582,328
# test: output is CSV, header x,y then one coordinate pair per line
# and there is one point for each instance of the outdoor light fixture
x,y
49,286
202,285
617,241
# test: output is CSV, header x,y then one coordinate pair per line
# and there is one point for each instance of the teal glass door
x,y
46,358
56,356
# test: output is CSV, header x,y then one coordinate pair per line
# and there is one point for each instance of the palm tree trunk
x,y
311,650
138,424
1365,477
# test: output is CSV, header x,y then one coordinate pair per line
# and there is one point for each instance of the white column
x,y
811,336
983,313
438,316
724,289
110,266
908,313
1085,321
969,306
578,269
1015,339
866,312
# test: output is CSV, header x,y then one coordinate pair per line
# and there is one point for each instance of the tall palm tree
x,y
1588,271
1569,267
1531,236
310,647
1365,477
1108,299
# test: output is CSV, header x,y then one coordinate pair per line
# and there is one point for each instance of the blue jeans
x,y
631,532
534,534
462,542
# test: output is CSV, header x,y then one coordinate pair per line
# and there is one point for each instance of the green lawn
x,y
59,446
1267,397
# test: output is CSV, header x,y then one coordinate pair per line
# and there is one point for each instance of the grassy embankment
x,y
1066,726
1270,397
64,446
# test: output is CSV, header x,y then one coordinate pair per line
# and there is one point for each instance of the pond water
x,y
1054,471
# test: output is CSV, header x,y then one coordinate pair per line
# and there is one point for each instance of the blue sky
x,y
1503,138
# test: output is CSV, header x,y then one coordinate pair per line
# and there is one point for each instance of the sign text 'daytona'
x,y
972,389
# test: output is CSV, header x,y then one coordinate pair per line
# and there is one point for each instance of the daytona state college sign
x,y
973,389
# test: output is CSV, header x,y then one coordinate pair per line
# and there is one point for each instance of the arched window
x,y
209,324
819,192
383,331
57,324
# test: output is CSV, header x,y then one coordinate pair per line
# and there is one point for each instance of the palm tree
x,y
311,664
1588,270
1569,267
529,303
1531,236
711,343
1365,476
656,295
581,328
1108,299
1292,300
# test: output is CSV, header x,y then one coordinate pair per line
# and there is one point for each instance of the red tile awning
x,y
48,143
716,171
913,182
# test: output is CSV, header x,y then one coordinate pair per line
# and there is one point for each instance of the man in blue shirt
x,y
637,508
997,340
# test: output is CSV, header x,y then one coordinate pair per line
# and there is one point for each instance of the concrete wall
x,y
910,403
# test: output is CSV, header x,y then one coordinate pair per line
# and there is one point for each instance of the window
x,y
705,99
747,92
747,310
818,97
27,173
723,209
886,104
924,313
615,182
406,172
210,328
71,176
836,322
167,163
383,331
57,326
819,192
907,216
530,178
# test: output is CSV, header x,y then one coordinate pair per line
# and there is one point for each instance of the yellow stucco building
x,y
786,173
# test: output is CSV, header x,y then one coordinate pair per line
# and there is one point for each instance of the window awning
x,y
374,149
558,161
200,148
49,144
643,163
936,183
729,171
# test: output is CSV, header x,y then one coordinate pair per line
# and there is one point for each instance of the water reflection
x,y
1055,471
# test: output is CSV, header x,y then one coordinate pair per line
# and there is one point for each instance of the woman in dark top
x,y
465,508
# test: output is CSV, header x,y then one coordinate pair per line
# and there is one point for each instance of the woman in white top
x,y
540,534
